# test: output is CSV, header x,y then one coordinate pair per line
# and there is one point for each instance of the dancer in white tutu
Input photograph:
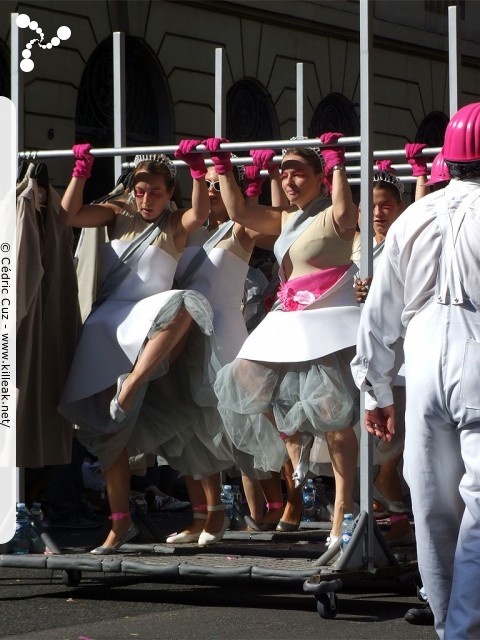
x,y
293,370
152,344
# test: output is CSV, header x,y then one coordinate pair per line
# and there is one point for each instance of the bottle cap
x,y
227,487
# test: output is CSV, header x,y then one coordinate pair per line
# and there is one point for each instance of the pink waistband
x,y
298,293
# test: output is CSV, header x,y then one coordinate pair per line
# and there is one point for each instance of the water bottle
x,y
21,539
308,496
227,496
36,524
347,530
236,521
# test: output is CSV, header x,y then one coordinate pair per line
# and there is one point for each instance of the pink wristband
x,y
119,515
398,517
274,505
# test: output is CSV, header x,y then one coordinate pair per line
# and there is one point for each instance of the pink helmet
x,y
462,135
439,171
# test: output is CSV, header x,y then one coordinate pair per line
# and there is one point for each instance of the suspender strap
x,y
448,277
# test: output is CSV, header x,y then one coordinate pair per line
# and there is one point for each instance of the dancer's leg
x,y
117,484
159,347
343,449
211,487
272,490
292,513
254,496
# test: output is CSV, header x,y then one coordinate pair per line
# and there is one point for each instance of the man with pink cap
x,y
427,290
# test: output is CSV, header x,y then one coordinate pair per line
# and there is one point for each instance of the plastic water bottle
x,y
36,524
308,496
347,530
236,522
22,538
227,496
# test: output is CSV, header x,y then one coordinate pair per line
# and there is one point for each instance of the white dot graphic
x,y
23,21
64,33
26,65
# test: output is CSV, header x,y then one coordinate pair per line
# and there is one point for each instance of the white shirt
x,y
405,280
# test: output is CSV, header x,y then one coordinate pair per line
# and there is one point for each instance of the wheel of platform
x,y
71,577
325,607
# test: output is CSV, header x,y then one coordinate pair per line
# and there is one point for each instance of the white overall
x,y
427,288
442,449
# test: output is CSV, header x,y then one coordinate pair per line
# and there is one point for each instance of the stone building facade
x,y
170,64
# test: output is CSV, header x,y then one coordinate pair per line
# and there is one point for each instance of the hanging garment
x,y
48,321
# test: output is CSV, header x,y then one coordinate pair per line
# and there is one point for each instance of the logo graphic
x,y
24,22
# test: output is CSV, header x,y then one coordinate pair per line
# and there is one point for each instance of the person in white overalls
x,y
427,289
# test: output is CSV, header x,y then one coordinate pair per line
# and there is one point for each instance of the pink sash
x,y
298,293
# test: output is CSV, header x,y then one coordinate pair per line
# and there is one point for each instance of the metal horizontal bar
x,y
231,146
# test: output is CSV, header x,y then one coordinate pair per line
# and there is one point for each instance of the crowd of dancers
x,y
165,363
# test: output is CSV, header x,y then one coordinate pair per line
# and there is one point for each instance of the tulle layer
x,y
316,395
176,415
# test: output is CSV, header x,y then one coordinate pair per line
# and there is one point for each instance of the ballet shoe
x,y
117,414
205,539
129,534
303,462
185,538
331,541
287,527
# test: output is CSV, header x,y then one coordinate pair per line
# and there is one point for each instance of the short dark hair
x,y
307,154
382,184
463,170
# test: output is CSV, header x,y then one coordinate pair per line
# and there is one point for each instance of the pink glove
x,y
221,159
419,165
332,155
262,158
255,181
195,161
83,162
385,165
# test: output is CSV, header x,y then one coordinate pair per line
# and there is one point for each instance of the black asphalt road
x,y
36,605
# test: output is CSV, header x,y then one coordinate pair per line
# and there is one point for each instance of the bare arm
x,y
421,189
345,213
278,197
75,214
191,219
264,220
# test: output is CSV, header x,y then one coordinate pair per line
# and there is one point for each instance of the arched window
x,y
432,129
334,113
149,114
250,112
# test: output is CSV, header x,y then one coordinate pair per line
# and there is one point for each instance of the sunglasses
x,y
215,185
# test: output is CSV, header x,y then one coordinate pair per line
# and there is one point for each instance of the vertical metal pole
x,y
300,112
16,78
220,100
366,265
454,59
16,93
119,119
